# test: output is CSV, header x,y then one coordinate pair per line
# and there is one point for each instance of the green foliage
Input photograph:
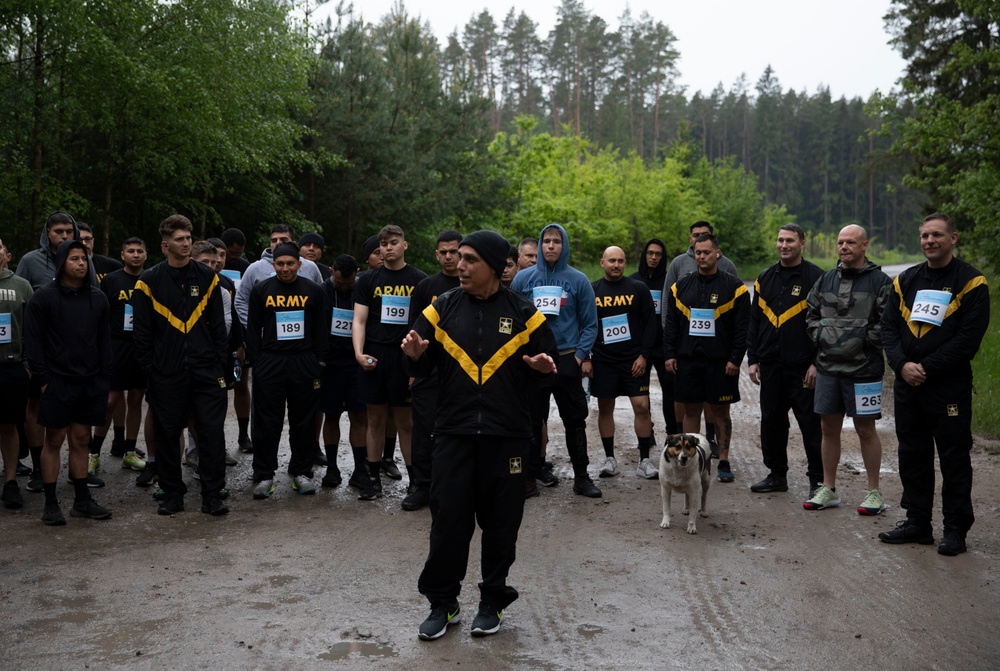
x,y
985,369
946,119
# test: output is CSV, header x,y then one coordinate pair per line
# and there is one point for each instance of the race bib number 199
x,y
291,325
547,300
868,398
395,309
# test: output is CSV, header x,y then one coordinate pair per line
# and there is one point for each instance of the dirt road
x,y
326,581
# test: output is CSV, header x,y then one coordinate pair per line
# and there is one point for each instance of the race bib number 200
x,y
615,329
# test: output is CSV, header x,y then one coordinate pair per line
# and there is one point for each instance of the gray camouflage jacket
x,y
843,315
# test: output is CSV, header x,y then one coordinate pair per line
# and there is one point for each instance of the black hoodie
x,y
67,330
653,278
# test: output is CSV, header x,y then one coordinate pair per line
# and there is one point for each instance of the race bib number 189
x,y
868,398
291,325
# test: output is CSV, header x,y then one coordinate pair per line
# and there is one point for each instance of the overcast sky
x,y
809,43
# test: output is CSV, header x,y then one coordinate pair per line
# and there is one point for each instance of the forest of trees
x,y
250,113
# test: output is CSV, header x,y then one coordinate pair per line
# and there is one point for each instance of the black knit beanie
x,y
491,247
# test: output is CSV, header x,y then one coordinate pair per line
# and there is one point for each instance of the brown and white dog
x,y
685,466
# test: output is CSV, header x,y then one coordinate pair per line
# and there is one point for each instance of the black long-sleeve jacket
x,y
178,322
945,351
727,297
777,330
477,347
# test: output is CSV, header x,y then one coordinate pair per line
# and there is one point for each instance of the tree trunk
x,y
38,81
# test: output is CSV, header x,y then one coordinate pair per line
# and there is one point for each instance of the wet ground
x,y
326,581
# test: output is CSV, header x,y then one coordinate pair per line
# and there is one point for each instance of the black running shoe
x,y
487,620
333,478
584,486
390,469
417,498
23,470
372,491
952,544
245,444
359,479
90,509
52,516
147,475
908,532
171,505
770,484
35,483
93,481
547,478
437,622
214,506
12,495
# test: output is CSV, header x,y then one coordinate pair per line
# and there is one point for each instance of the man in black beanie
x,y
311,247
498,344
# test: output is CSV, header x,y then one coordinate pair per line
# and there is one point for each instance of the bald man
x,y
626,318
843,314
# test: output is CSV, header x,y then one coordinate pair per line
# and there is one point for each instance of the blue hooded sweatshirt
x,y
575,327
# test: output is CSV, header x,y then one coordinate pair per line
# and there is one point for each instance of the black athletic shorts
x,y
13,392
338,391
611,380
64,402
705,381
126,371
388,384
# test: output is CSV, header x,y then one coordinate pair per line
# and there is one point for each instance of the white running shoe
x,y
609,468
647,470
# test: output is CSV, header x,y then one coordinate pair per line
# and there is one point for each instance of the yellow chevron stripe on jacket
x,y
920,329
454,350
719,311
173,320
777,321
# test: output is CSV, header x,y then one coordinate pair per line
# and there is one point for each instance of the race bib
x,y
615,329
395,309
930,306
127,323
291,325
234,275
868,398
702,323
547,300
342,323
657,300
5,335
